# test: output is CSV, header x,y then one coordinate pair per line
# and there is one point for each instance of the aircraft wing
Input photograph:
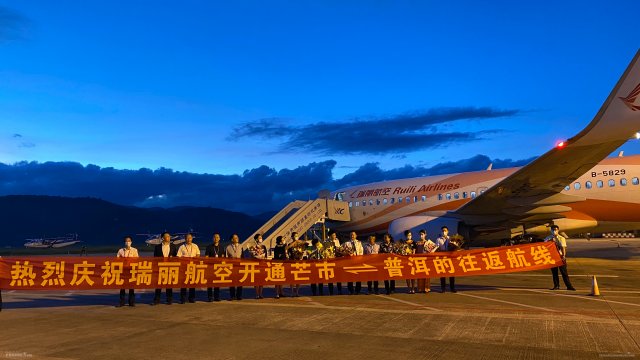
x,y
532,194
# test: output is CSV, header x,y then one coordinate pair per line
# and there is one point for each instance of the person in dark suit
x,y
214,250
279,253
165,249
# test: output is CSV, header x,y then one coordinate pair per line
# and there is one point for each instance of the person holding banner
x,y
408,249
127,252
296,249
356,249
333,239
443,243
258,252
561,244
316,253
371,248
279,253
388,247
424,285
165,249
188,250
215,251
234,250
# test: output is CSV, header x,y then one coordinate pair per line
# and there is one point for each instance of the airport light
x,y
638,135
561,144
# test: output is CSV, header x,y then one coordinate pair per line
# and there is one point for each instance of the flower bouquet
x,y
456,242
257,251
402,248
344,250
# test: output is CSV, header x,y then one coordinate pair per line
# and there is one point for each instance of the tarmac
x,y
510,316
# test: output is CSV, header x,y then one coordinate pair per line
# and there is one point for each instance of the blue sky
x,y
226,87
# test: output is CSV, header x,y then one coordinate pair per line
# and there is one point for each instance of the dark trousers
x,y
192,294
316,287
374,284
389,286
330,286
169,292
213,293
565,276
452,283
132,297
236,292
0,300
358,287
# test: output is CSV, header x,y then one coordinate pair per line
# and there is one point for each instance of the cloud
x,y
254,191
397,134
13,25
19,138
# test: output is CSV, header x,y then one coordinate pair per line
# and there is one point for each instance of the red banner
x,y
82,273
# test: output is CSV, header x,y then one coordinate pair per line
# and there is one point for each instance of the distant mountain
x,y
98,222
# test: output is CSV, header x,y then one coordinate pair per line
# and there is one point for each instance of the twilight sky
x,y
244,105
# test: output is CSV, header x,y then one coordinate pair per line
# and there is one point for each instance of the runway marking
x,y
584,297
508,302
407,302
422,309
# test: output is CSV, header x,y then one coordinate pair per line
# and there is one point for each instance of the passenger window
x,y
393,201
623,182
599,183
415,199
399,200
384,201
577,186
408,199
588,185
439,196
473,194
465,195
448,196
364,202
377,201
350,204
456,195
612,183
357,203
635,181
424,198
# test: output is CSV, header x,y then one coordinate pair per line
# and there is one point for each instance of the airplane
x,y
176,239
55,242
574,185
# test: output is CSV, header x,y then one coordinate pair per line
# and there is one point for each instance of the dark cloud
x,y
396,134
371,172
17,136
254,191
13,25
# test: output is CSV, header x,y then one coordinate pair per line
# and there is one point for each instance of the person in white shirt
x,y
443,245
356,250
371,248
234,250
188,250
333,238
127,252
561,244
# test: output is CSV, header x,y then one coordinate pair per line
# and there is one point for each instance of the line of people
x,y
295,249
